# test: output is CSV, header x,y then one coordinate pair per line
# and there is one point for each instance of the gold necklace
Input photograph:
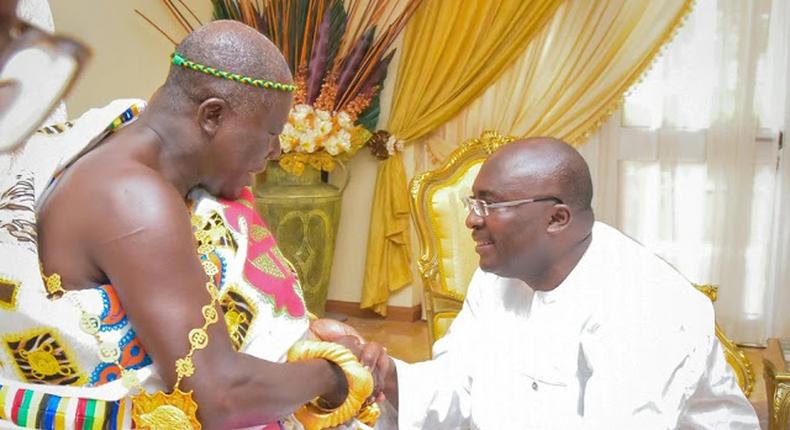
x,y
158,411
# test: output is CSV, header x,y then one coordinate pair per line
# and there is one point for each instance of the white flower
x,y
287,143
324,127
344,120
333,145
299,113
309,130
345,139
288,130
307,144
323,115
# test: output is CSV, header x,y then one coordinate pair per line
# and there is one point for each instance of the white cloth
x,y
624,342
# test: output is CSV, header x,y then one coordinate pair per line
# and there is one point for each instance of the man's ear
x,y
210,115
560,218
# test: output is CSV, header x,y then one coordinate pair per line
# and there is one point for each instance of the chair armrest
x,y
777,386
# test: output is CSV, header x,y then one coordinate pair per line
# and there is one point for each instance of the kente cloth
x,y
624,342
50,375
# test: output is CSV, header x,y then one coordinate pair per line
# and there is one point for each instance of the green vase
x,y
303,213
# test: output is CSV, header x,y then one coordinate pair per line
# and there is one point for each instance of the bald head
x,y
550,166
233,47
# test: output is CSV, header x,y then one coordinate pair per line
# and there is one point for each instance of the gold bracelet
x,y
360,384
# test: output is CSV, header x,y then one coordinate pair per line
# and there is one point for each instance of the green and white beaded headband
x,y
180,60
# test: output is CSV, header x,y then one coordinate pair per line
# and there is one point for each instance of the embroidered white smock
x,y
624,342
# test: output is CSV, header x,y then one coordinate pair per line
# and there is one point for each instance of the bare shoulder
x,y
102,204
137,196
112,196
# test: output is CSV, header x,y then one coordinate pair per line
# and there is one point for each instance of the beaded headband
x,y
180,60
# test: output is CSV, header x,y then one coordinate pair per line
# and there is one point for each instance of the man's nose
x,y
473,220
276,150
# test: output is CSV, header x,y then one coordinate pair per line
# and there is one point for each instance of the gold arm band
x,y
360,384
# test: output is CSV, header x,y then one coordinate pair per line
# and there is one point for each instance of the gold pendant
x,y
160,411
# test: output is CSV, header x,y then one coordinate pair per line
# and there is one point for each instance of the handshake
x,y
361,371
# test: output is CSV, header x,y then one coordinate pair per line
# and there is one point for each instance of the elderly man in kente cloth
x,y
161,297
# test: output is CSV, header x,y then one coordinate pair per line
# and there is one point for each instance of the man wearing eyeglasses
x,y
568,323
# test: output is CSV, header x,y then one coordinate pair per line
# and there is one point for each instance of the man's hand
x,y
372,355
328,330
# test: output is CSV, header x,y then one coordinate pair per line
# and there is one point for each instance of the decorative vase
x,y
303,213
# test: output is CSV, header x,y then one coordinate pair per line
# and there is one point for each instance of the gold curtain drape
x,y
572,76
388,270
453,50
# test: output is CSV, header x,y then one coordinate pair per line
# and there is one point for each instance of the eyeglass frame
x,y
23,35
481,207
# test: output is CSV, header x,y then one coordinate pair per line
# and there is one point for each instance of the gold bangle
x,y
360,384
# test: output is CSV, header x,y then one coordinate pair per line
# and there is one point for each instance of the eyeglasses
x,y
482,208
36,70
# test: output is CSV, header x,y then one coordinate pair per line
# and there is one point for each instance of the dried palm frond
x,y
338,51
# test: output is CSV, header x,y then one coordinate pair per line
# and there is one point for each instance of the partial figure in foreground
x,y
159,274
568,323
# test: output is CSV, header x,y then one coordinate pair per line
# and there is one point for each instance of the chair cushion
x,y
457,258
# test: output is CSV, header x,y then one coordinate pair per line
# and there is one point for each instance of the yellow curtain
x,y
572,76
453,49
388,270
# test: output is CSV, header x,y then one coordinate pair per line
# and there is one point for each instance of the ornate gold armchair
x,y
777,384
447,258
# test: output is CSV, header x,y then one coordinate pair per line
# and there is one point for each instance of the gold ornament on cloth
x,y
360,384
158,411
53,285
176,411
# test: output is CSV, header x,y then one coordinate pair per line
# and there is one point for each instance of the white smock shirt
x,y
624,342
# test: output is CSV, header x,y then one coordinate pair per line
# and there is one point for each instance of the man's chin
x,y
490,266
487,266
233,194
